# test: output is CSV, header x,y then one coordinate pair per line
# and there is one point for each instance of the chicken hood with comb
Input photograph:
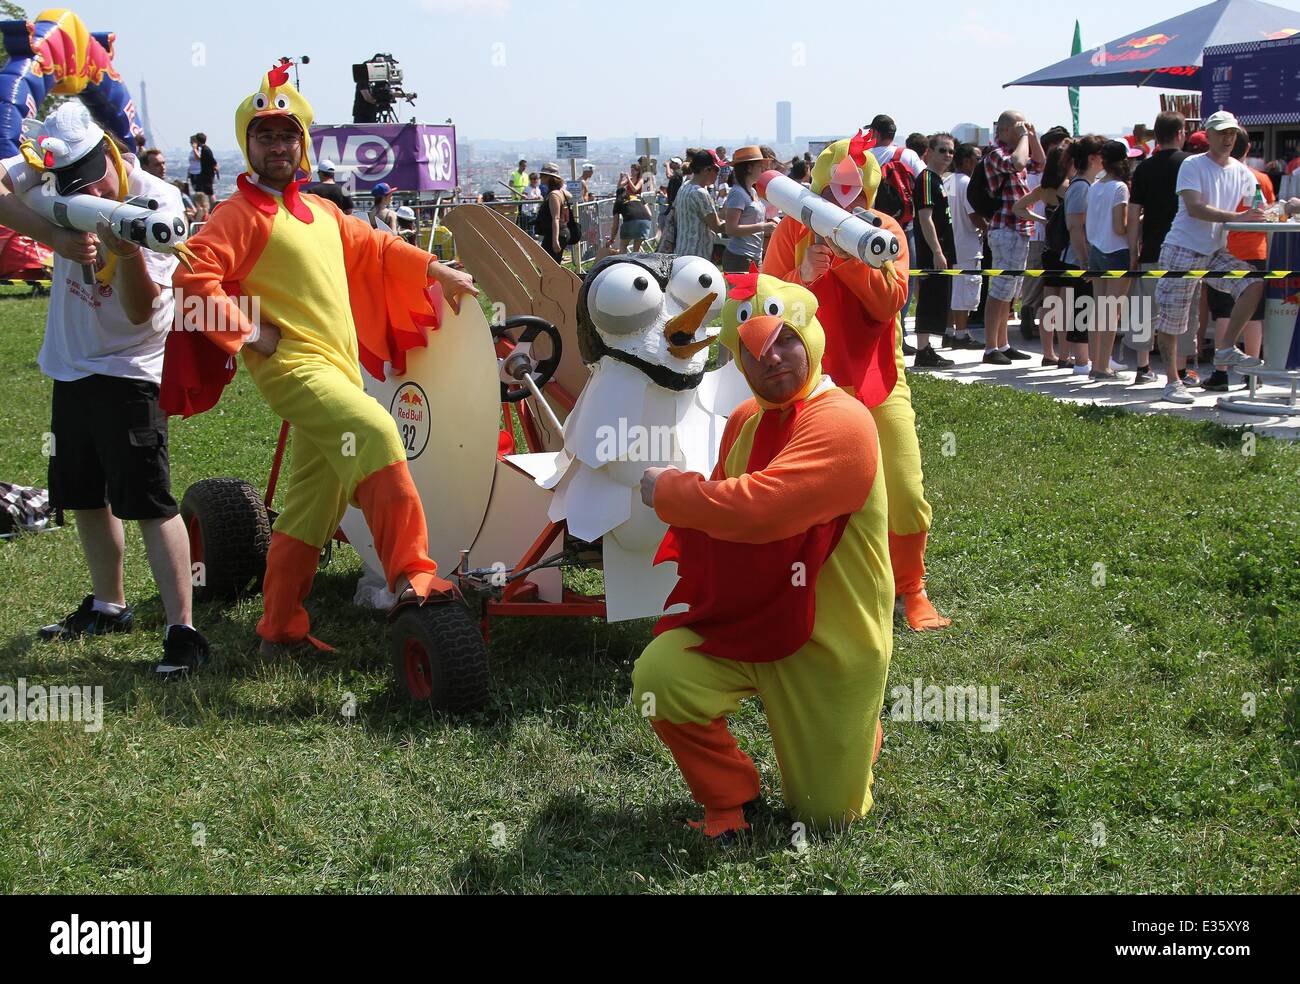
x,y
276,96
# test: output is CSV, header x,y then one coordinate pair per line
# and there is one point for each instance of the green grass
x,y
1122,703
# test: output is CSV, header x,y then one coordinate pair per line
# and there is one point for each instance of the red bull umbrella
x,y
1168,55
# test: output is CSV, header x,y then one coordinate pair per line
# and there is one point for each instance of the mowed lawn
x,y
1148,738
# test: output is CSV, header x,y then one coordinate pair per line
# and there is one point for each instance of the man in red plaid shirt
x,y
1006,166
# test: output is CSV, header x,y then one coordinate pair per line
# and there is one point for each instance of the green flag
x,y
1074,89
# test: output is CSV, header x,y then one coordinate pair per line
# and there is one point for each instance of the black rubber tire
x,y
446,668
236,534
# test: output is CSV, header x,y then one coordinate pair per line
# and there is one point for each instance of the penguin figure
x,y
649,403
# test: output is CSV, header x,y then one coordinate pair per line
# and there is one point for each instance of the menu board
x,y
1258,82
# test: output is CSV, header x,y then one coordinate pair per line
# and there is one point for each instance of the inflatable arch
x,y
58,54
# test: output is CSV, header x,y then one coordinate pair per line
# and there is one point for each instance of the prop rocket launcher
x,y
71,153
857,233
142,221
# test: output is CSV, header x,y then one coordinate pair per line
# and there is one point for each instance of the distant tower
x,y
142,115
783,122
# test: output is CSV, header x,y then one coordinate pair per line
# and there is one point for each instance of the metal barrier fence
x,y
595,218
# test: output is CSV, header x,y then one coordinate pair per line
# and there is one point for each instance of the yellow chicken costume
x,y
340,293
860,307
783,559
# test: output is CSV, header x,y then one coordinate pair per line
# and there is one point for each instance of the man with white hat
x,y
327,187
109,313
1211,187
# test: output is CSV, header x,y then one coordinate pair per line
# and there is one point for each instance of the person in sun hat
x,y
406,223
109,314
783,563
334,296
553,214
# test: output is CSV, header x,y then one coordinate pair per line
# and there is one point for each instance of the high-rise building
x,y
783,123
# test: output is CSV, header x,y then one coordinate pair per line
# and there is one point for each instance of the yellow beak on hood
x,y
275,97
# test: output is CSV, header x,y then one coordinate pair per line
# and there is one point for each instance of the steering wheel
x,y
520,361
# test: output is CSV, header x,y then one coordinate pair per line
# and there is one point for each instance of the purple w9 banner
x,y
407,156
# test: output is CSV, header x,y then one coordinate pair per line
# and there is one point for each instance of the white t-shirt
x,y
965,234
1103,197
86,331
1220,187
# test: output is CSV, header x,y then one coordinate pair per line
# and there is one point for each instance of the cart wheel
x,y
439,658
230,534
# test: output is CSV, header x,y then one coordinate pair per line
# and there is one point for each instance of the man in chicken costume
x,y
860,308
333,292
783,560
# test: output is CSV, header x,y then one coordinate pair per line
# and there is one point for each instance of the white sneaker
x,y
1117,366
1083,370
1235,357
1177,393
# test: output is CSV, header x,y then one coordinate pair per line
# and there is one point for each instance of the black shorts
x,y
933,301
1221,303
110,448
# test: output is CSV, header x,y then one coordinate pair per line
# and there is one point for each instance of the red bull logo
x,y
1283,34
70,53
410,410
1148,41
1134,49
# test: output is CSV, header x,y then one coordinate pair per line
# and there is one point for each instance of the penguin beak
x,y
185,255
681,329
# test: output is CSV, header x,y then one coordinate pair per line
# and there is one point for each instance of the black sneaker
x,y
86,621
1144,375
996,358
908,349
184,651
1016,355
961,342
1028,330
1217,383
928,358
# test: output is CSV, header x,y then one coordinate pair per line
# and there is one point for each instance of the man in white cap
x,y
327,187
110,309
1211,187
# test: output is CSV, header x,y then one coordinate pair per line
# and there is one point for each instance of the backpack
x,y
894,196
982,196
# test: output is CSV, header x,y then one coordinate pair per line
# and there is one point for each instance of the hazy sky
x,y
527,68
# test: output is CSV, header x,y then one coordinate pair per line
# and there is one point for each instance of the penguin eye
x,y
626,296
693,278
260,101
773,307
743,311
281,102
